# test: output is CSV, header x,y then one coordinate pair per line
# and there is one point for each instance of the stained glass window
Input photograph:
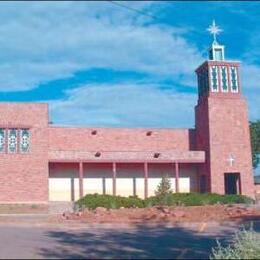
x,y
214,79
233,76
2,140
224,82
24,140
12,140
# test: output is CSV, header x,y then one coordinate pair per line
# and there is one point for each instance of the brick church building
x,y
41,162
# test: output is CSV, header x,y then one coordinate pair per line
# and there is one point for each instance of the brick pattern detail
x,y
119,139
24,177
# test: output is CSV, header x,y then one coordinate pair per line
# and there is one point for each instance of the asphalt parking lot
x,y
41,240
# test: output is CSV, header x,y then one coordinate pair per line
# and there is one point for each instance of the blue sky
x,y
99,64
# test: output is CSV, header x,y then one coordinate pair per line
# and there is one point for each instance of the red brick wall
x,y
24,177
202,139
227,131
119,139
229,134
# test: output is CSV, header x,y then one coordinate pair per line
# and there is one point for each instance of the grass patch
x,y
93,201
245,245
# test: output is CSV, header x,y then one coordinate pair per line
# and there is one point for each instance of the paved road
x,y
110,241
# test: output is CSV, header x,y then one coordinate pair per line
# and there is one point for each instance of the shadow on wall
x,y
139,241
192,139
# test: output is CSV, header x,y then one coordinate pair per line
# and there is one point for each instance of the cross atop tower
x,y
216,51
215,30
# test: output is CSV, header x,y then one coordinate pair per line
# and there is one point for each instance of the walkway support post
x,y
145,180
81,179
114,178
176,177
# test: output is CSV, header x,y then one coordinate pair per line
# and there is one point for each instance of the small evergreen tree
x,y
255,142
164,187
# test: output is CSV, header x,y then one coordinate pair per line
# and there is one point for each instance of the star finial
x,y
214,29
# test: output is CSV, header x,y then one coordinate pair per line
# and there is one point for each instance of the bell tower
x,y
222,128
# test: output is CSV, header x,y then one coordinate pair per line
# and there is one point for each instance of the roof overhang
x,y
168,156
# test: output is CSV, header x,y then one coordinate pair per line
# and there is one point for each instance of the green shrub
x,y
245,245
93,201
195,199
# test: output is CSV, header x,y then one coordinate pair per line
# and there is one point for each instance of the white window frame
x,y
211,79
214,51
221,82
20,140
4,140
236,77
16,144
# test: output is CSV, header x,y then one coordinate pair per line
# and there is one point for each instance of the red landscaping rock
x,y
86,211
178,213
66,215
99,210
162,214
79,214
166,210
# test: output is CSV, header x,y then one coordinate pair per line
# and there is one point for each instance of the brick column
x,y
114,178
145,180
81,179
177,177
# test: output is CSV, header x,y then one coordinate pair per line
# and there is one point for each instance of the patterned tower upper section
x,y
217,77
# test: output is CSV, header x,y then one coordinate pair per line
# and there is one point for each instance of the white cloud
x,y
43,41
250,75
129,105
253,104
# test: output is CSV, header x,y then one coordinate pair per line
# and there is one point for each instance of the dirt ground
x,y
207,213
23,208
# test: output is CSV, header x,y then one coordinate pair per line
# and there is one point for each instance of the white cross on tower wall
x,y
231,160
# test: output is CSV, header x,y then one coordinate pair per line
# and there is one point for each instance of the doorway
x,y
232,183
203,184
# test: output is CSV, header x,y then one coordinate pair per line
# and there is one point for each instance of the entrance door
x,y
203,184
232,183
